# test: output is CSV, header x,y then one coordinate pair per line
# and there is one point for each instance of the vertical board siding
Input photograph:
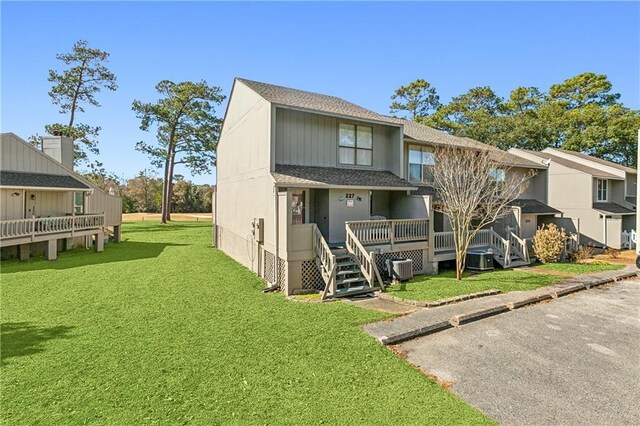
x,y
16,155
304,138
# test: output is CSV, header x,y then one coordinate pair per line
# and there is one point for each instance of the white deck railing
x,y
389,231
628,239
37,226
444,240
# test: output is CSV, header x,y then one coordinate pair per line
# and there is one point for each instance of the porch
x,y
24,232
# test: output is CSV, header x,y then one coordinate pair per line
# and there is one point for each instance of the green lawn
x,y
163,329
580,268
444,285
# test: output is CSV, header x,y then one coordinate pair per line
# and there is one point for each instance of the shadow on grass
x,y
117,252
23,339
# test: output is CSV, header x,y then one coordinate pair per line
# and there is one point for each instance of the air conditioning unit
x,y
479,260
400,269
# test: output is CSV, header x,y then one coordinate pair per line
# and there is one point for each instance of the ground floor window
x,y
298,207
78,202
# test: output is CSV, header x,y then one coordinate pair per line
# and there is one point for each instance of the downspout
x,y
276,272
604,229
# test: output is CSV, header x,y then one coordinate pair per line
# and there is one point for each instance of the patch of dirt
x,y
626,257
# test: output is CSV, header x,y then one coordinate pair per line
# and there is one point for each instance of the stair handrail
x,y
327,259
366,259
520,246
502,246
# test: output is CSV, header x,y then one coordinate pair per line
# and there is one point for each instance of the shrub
x,y
548,243
585,252
613,253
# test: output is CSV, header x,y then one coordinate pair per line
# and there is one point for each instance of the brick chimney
x,y
60,148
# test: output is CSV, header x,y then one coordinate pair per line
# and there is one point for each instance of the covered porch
x,y
44,213
347,222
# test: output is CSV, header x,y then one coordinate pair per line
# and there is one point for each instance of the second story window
x,y
499,177
355,144
421,162
602,189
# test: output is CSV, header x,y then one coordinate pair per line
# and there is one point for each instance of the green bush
x,y
548,243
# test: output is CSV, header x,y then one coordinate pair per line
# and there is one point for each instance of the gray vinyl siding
x,y
536,186
303,138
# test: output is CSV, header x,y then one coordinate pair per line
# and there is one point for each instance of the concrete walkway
x,y
432,320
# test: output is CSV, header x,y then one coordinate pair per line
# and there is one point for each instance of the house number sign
x,y
351,199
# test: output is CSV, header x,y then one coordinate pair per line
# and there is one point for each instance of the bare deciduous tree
x,y
474,189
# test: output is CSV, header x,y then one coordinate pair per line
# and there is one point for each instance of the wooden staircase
x,y
510,252
349,277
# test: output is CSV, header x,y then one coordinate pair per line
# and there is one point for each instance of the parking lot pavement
x,y
573,361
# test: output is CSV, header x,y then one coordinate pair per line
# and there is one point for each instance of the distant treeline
x,y
143,193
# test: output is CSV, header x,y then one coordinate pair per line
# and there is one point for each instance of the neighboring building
x,y
597,194
316,192
45,205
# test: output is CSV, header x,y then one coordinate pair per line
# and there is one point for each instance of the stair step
x,y
342,292
348,272
343,264
350,280
340,257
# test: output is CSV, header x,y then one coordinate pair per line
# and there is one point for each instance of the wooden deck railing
x,y
443,241
519,246
628,239
389,231
327,261
37,226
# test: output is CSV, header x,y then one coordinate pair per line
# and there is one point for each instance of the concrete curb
x,y
466,318
459,320
441,302
419,332
529,301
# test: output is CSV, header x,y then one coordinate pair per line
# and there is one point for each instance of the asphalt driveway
x,y
573,361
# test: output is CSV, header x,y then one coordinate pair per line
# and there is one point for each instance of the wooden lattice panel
x,y
414,255
311,276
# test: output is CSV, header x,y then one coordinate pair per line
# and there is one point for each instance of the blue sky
x,y
359,51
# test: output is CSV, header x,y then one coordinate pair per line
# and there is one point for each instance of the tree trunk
x,y
165,183
172,165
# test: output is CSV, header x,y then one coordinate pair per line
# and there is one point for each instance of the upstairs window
x,y
602,189
498,176
421,163
78,202
355,144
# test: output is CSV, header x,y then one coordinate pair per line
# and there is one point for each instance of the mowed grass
x,y
164,329
445,285
580,268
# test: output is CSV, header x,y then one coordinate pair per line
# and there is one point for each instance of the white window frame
x,y
500,176
78,208
602,190
355,148
422,164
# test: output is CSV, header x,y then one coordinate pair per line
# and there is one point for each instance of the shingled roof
x,y
530,206
39,180
598,160
574,165
612,208
311,101
311,176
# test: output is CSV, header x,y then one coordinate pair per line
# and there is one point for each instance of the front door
x,y
30,204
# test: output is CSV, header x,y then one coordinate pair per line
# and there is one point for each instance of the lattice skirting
x,y
270,269
415,255
311,276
